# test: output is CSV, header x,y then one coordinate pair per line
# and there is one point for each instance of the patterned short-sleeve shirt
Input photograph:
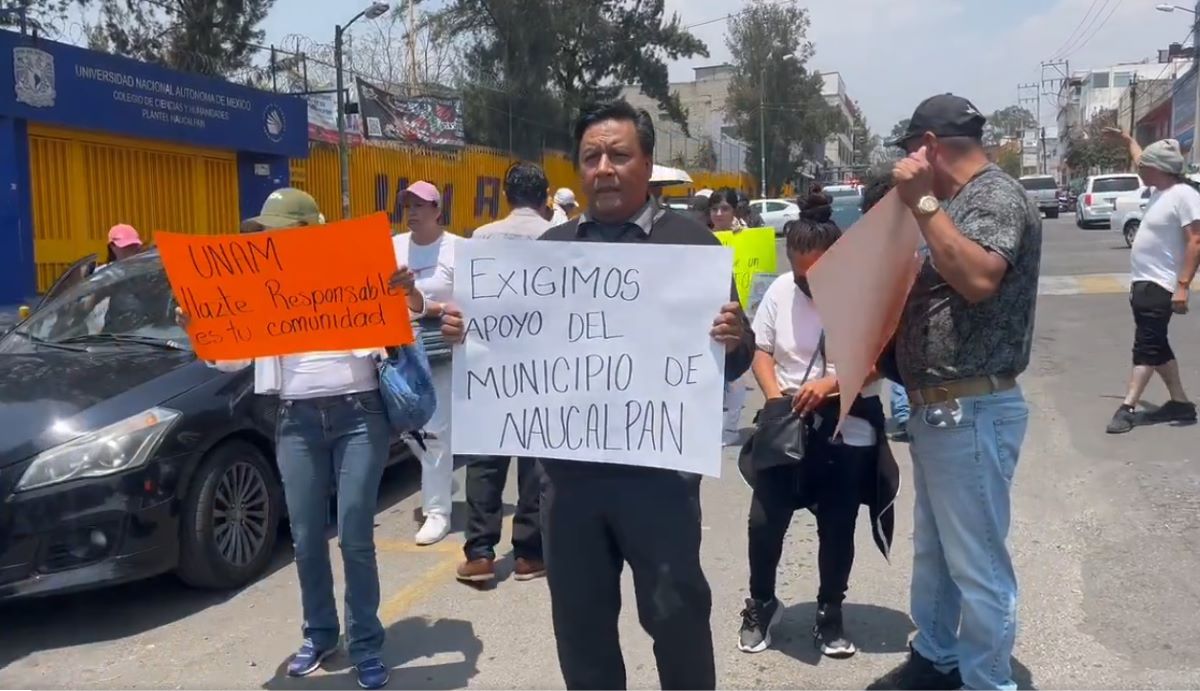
x,y
942,337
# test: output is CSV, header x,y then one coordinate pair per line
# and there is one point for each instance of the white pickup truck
x,y
1043,190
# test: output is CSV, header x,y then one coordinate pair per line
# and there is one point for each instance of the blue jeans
x,y
899,404
320,442
964,589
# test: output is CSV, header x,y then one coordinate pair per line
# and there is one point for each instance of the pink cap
x,y
424,190
123,235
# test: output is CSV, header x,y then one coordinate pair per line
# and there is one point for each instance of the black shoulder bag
x,y
781,435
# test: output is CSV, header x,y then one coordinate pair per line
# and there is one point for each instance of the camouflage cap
x,y
287,208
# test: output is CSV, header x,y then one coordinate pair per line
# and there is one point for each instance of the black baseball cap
x,y
945,115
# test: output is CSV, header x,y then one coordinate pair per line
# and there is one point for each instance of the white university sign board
x,y
591,352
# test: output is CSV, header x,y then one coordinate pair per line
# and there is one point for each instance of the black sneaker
x,y
918,673
829,634
1174,411
757,620
1122,420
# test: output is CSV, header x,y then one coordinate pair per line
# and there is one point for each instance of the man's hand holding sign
x,y
324,288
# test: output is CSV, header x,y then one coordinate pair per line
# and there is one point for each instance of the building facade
x,y
88,140
708,120
839,146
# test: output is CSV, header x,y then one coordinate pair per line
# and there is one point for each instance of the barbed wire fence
x,y
379,54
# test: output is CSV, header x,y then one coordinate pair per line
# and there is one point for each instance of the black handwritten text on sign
x,y
591,352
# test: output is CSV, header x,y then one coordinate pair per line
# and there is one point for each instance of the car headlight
x,y
116,448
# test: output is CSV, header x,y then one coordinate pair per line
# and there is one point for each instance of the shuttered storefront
x,y
83,183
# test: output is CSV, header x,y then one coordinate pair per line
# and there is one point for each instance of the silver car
x,y
1098,200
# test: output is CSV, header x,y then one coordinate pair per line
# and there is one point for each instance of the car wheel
x,y
1129,231
1079,222
1052,213
230,518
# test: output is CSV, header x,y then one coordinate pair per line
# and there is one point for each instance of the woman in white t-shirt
x,y
428,250
1163,261
331,436
790,362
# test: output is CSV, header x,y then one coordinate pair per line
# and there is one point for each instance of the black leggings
x,y
1151,305
835,479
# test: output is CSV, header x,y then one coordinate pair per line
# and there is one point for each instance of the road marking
x,y
406,547
399,603
1085,284
435,576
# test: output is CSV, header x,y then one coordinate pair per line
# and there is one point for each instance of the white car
x,y
1127,215
776,212
1098,199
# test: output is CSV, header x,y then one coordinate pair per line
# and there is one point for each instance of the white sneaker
x,y
435,528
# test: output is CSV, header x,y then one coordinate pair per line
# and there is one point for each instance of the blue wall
x,y
17,280
59,84
253,185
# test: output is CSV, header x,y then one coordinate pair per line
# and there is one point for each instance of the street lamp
x,y
1168,7
374,11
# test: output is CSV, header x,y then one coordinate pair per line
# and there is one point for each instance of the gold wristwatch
x,y
927,205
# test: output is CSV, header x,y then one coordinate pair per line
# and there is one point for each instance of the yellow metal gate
x,y
84,183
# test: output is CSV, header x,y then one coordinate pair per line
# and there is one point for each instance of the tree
x,y
1009,160
705,157
1094,149
899,129
1007,123
379,51
45,17
770,50
530,66
212,37
864,142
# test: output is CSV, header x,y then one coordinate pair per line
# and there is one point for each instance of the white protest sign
x,y
591,352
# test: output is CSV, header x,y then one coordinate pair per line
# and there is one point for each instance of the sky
x,y
893,53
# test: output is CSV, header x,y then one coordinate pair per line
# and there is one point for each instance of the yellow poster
x,y
753,253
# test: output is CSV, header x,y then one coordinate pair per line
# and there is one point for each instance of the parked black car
x,y
121,455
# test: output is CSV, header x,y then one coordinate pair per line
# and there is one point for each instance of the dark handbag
x,y
780,435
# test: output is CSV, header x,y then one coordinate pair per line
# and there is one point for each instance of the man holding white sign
x,y
607,380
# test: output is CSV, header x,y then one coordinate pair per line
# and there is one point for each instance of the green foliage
x,y
1009,160
705,157
770,51
542,61
45,17
1094,150
211,37
864,141
1007,123
899,129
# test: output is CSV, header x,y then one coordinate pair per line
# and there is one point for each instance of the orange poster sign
x,y
279,292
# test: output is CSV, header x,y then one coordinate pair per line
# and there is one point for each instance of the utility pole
x,y
412,47
1196,78
1060,73
1133,106
762,130
1042,154
1035,100
343,145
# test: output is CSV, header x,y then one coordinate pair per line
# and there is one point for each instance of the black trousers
x,y
1152,312
486,476
597,518
834,481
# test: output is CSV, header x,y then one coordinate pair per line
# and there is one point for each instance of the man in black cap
x,y
963,338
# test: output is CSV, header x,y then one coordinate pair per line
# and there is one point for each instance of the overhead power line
x,y
1057,54
1092,35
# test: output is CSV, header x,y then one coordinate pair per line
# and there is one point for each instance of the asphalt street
x,y
1106,538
